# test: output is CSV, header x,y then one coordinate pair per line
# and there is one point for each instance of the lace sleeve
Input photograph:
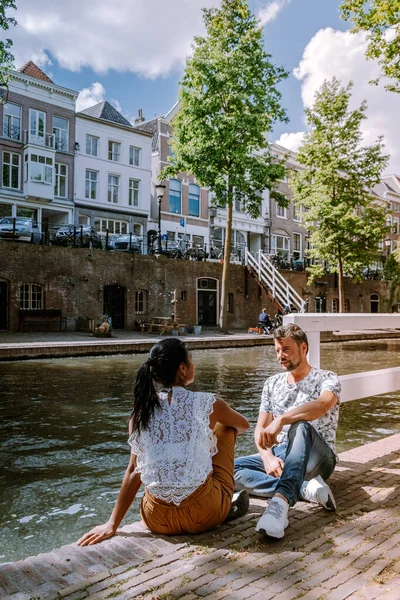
x,y
206,407
134,442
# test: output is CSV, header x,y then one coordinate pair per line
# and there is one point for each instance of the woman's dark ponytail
x,y
162,366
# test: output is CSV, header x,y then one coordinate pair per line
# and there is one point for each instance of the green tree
x,y
391,271
344,220
381,20
228,104
6,57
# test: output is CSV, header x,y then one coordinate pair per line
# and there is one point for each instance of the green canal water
x,y
63,431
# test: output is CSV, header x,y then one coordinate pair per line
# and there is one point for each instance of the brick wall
x,y
74,280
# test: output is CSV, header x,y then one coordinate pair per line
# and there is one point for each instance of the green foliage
x,y
345,221
381,20
391,271
228,103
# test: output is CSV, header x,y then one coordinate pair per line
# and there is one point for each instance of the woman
x,y
182,446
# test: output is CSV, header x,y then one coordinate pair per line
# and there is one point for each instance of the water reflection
x,y
63,424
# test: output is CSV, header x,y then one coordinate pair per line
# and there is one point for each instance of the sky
x,y
132,53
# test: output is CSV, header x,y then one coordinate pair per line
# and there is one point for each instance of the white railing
x,y
355,385
36,138
274,281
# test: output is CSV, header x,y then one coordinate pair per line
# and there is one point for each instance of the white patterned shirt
x,y
174,453
279,397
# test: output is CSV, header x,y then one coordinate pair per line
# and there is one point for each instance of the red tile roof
x,y
33,71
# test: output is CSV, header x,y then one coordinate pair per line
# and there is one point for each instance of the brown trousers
x,y
208,506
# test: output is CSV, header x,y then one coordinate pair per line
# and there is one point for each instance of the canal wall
x,y
84,282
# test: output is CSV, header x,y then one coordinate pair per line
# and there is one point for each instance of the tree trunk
x,y
223,313
341,286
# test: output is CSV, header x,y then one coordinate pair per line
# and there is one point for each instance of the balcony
x,y
35,138
61,145
12,132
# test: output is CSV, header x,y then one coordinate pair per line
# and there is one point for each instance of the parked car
x,y
20,228
70,235
125,243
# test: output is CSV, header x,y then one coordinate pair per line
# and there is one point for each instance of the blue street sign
x,y
164,237
182,222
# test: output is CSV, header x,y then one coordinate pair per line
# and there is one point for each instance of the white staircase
x,y
278,289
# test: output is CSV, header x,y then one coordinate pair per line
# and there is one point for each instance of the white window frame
x,y
299,251
90,139
274,245
134,192
114,151
396,225
46,168
57,177
140,302
134,156
101,226
9,122
90,184
10,166
191,197
281,208
113,188
58,135
31,296
335,305
35,133
297,213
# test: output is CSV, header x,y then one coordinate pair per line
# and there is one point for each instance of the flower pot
x,y
197,329
175,332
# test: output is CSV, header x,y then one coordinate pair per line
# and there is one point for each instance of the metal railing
x,y
355,385
12,132
46,140
274,281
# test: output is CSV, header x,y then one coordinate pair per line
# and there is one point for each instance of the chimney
x,y
139,118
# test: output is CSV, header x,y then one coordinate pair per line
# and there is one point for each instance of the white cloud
x,y
291,141
90,96
342,54
271,11
148,38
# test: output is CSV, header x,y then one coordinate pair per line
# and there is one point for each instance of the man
x,y
264,321
295,435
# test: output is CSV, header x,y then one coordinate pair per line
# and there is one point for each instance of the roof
x,y
33,70
104,110
151,127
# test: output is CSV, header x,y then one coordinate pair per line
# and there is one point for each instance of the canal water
x,y
63,430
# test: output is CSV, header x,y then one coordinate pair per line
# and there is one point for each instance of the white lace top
x,y
174,452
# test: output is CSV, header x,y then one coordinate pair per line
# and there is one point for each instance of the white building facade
x,y
112,173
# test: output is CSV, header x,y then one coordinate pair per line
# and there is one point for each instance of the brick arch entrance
x,y
207,301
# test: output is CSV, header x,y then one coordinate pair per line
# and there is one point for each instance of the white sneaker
x,y
318,492
275,518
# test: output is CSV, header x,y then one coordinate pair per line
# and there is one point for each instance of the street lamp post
x,y
160,189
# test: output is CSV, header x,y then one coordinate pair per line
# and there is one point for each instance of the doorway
x,y
374,303
207,301
3,305
114,305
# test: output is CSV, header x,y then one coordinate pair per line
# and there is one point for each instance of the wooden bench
x,y
38,317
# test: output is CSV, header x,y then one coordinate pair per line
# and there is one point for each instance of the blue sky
x,y
131,52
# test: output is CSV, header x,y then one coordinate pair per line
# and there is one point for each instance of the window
x,y
194,200
91,185
230,303
335,304
134,156
175,196
346,306
296,246
281,246
60,130
137,229
114,151
281,211
92,144
184,295
41,169
60,187
113,188
238,204
112,225
171,236
140,301
198,240
134,192
12,121
30,296
296,213
11,170
396,225
37,126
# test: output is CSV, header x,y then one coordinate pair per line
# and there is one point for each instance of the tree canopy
x,y
381,20
345,220
229,101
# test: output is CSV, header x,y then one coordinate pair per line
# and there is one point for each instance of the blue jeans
x,y
305,454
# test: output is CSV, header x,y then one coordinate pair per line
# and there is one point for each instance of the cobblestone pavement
x,y
353,553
